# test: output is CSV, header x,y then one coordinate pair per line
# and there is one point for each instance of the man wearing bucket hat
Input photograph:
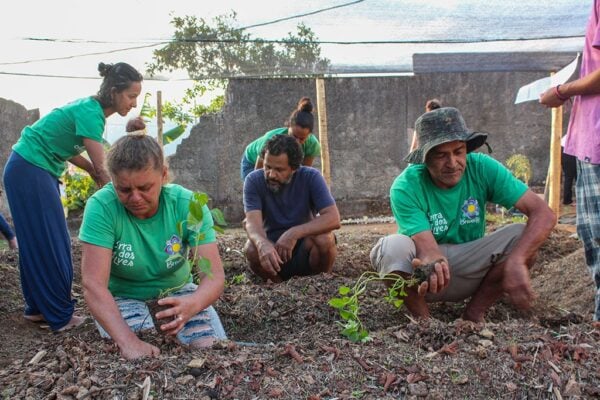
x,y
439,205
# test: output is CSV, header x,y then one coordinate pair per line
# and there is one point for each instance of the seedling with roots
x,y
200,266
348,306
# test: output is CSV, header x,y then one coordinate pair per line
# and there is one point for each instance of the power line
x,y
375,42
286,41
340,42
301,15
80,55
81,77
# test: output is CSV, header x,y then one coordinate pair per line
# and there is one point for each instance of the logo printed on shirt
x,y
470,212
438,223
173,245
123,254
173,248
80,149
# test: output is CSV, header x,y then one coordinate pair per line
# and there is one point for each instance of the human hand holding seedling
x,y
433,277
181,310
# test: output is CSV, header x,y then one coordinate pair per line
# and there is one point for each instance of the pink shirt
x,y
583,138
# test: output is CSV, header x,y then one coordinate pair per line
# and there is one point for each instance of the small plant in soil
x,y
200,265
348,305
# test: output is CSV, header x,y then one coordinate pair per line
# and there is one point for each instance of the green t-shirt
x,y
58,136
310,148
140,266
455,215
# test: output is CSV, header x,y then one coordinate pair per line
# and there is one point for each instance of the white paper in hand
x,y
532,90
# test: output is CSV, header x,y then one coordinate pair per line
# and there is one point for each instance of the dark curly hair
x,y
280,144
118,76
302,115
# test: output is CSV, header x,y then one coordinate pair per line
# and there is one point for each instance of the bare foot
x,y
35,318
73,323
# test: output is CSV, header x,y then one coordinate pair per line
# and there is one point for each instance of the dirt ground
x,y
285,341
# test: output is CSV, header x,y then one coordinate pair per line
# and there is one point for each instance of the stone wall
x,y
369,121
13,118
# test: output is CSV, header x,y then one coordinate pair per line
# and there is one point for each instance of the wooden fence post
x,y
159,121
322,114
555,167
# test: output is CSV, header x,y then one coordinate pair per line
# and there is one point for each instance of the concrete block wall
x,y
369,121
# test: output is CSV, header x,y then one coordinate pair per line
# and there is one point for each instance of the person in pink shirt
x,y
583,142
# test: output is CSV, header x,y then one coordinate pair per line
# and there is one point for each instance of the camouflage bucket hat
x,y
441,126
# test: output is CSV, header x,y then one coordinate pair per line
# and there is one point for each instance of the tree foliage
x,y
220,50
211,52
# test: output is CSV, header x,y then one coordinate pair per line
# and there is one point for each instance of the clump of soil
x,y
155,308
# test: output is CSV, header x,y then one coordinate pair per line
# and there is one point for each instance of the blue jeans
x,y
137,316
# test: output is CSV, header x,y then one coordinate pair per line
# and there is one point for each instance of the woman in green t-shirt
x,y
300,125
31,180
136,237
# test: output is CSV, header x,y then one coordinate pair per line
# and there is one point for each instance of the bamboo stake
x,y
322,113
159,121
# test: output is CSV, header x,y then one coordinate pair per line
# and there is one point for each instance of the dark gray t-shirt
x,y
297,202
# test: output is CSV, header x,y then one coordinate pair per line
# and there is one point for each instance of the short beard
x,y
277,187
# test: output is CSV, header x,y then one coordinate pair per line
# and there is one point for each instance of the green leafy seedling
x,y
200,266
348,306
193,224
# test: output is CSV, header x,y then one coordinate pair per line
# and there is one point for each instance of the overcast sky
x,y
127,23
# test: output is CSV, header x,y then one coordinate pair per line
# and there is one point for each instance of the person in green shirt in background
x,y
133,251
300,125
31,181
439,204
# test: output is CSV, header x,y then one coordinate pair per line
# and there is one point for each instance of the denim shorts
x,y
203,325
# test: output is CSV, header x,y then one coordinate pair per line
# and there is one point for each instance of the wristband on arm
x,y
558,95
